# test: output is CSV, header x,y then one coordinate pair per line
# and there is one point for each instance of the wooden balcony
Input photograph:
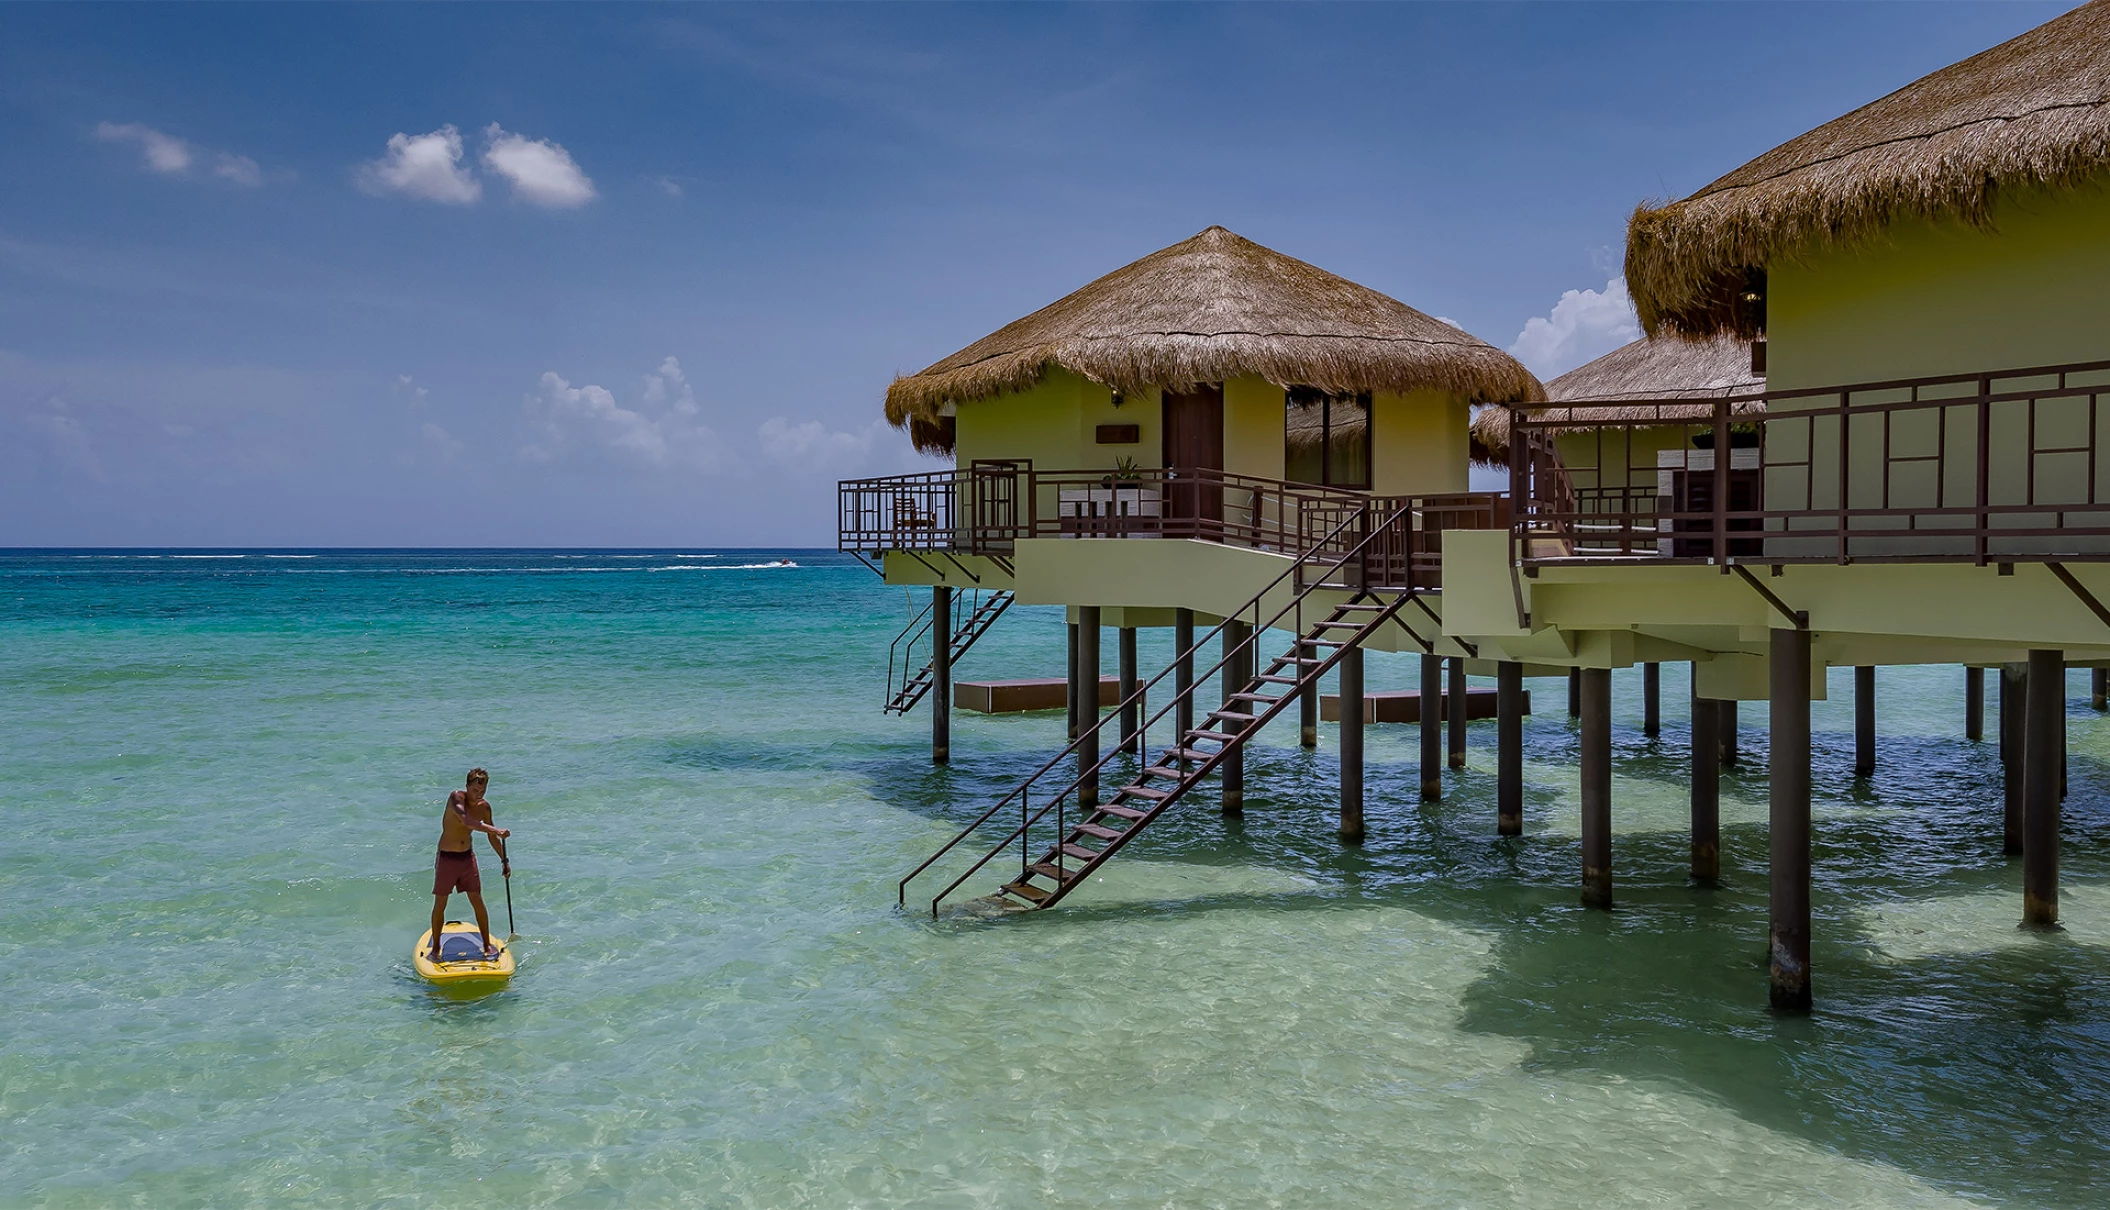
x,y
988,508
1997,467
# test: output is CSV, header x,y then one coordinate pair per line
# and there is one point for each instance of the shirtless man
x,y
468,813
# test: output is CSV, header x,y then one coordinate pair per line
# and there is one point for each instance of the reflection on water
x,y
719,1003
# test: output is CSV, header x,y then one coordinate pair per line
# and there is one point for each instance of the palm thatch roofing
x,y
1210,309
2031,112
1643,374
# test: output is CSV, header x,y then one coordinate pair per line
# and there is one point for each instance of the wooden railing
x,y
1994,467
989,507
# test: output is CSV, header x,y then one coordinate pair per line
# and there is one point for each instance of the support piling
x,y
1351,690
1308,708
1595,686
1238,659
941,675
1074,697
1087,704
1788,772
1131,714
1509,749
1651,700
1431,728
1725,730
1864,721
1706,791
1183,670
1974,704
1454,712
2042,748
2014,683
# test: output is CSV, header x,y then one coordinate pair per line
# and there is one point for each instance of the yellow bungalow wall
x,y
1947,298
1419,438
1938,298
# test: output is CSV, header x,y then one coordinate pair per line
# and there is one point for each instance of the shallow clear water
x,y
220,782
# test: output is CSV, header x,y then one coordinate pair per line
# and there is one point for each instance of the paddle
x,y
505,865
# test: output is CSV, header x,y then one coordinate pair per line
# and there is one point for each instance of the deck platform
x,y
1017,697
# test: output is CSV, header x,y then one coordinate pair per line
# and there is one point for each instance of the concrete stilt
x,y
1088,704
941,675
1574,693
1351,690
1864,721
1651,700
1308,711
1509,749
2041,751
1131,711
1074,696
2099,688
1706,791
1974,704
1788,771
2014,682
1454,713
1725,730
1183,672
1238,660
1431,728
1596,686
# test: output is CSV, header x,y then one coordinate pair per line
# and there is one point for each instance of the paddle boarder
x,y
468,812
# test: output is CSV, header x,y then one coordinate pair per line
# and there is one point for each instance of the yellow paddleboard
x,y
462,955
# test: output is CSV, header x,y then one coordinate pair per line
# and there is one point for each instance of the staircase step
x,y
1361,608
1079,851
1126,812
1167,771
1142,792
1254,697
1278,680
1189,754
1214,736
1233,716
1052,871
1092,829
1027,891
1338,625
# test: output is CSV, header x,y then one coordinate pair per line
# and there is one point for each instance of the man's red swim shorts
x,y
456,872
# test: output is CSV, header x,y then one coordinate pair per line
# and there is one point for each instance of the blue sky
x,y
249,296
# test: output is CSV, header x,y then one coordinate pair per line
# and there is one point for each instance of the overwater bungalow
x,y
1919,479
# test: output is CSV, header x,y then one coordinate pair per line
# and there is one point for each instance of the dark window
x,y
1326,438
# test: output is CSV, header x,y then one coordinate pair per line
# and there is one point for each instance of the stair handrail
x,y
1141,693
918,626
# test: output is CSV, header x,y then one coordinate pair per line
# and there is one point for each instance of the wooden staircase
x,y
1367,568
915,685
1104,828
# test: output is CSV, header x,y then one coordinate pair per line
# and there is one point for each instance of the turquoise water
x,y
220,782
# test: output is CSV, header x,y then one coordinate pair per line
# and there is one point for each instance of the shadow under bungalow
x,y
1865,428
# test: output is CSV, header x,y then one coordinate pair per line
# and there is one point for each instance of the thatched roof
x,y
1213,308
2033,111
1644,374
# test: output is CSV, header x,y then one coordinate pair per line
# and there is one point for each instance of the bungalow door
x,y
1194,462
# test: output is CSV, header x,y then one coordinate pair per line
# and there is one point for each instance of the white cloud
x,y
426,166
541,172
661,432
811,443
170,156
160,152
238,168
1584,325
668,185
